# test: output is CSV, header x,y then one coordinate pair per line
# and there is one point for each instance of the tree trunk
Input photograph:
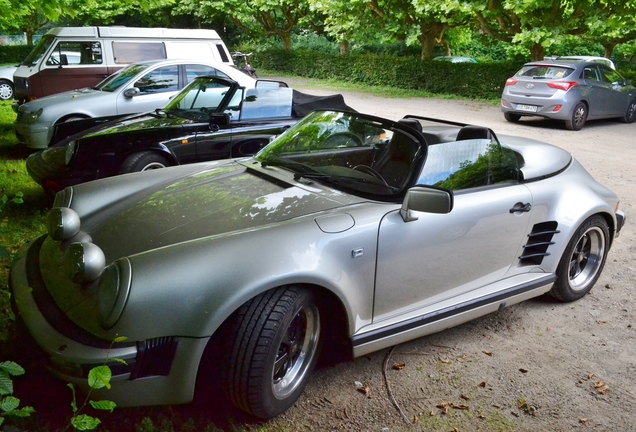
x,y
536,52
287,42
344,47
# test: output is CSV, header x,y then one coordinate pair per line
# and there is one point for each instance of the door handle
x,y
520,207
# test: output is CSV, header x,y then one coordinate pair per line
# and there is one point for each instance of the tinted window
x,y
132,52
160,80
545,71
120,78
195,70
267,102
467,164
611,76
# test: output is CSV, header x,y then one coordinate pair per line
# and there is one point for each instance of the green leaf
x,y
12,368
9,403
118,360
84,422
120,339
73,400
104,405
99,377
23,412
6,385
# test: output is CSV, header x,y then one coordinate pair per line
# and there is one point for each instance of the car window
x,y
545,71
200,96
131,52
85,53
466,164
267,102
590,73
120,78
611,76
160,80
197,70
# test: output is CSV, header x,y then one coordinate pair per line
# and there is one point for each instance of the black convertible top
x,y
303,104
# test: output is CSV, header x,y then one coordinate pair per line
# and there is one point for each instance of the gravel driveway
x,y
538,366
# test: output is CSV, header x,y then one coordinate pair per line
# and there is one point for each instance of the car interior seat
x,y
396,164
474,132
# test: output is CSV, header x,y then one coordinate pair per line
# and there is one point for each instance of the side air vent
x,y
539,240
154,357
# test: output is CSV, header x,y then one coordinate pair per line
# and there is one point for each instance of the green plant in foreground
x,y
98,378
9,404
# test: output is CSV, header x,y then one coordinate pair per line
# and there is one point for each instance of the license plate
x,y
529,108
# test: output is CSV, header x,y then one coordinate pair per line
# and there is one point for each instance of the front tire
x,y
583,260
578,118
144,161
273,343
630,114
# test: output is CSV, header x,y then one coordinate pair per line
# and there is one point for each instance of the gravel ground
x,y
541,365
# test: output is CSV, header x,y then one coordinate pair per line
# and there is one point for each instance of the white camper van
x,y
68,58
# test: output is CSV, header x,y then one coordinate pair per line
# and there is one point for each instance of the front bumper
x,y
72,352
34,136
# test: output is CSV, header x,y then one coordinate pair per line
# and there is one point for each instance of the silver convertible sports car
x,y
346,230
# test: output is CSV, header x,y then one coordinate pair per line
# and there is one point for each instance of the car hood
x,y
225,199
71,98
138,122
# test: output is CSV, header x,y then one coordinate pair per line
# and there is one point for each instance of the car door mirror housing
x,y
219,119
426,199
132,92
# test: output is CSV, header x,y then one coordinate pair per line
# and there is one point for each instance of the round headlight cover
x,y
62,223
114,285
85,262
70,152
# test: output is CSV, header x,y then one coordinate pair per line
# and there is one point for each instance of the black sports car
x,y
212,118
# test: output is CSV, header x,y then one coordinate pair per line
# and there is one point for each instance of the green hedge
x,y
468,80
13,54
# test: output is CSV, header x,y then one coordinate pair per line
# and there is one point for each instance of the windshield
x,y
348,151
200,98
43,46
120,78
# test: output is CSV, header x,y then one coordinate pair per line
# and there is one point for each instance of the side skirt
x,y
442,319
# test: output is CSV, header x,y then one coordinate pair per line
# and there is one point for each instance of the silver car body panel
x,y
198,241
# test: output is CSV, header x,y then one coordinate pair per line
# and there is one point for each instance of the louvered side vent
x,y
154,357
539,241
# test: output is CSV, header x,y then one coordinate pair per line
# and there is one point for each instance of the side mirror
x,y
132,92
426,199
218,120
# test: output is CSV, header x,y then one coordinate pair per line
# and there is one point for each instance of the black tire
x,y
272,347
143,161
630,114
512,117
578,118
6,90
582,260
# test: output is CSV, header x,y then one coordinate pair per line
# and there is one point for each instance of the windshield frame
x,y
37,53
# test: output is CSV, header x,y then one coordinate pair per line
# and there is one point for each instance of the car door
x,y
439,256
155,89
618,93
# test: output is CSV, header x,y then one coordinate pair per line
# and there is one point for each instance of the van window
x,y
72,53
133,52
160,80
222,53
43,46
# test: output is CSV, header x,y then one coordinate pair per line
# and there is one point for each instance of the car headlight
x,y
70,152
32,117
114,287
85,262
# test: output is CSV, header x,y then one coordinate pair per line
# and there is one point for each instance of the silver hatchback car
x,y
570,90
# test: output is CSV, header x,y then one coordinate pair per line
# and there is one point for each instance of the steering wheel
x,y
368,170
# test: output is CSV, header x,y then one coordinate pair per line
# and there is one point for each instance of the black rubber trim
x,y
448,312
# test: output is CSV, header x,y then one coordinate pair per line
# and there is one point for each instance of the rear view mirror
x,y
426,199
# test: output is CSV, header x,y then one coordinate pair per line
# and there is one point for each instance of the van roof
x,y
134,32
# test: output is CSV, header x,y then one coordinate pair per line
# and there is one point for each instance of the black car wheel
x,y
272,346
579,116
630,114
143,161
582,261
6,90
511,117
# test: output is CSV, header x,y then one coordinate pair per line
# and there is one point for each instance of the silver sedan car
x,y
348,232
570,90
137,88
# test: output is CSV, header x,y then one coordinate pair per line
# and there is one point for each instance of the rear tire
x,y
272,346
143,161
6,90
578,118
582,260
630,114
512,117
